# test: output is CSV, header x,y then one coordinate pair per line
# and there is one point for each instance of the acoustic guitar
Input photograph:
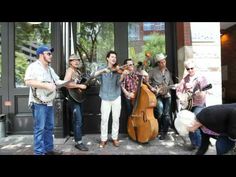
x,y
161,89
79,95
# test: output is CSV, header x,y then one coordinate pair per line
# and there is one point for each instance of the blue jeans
x,y
76,109
196,137
223,145
43,128
129,106
162,113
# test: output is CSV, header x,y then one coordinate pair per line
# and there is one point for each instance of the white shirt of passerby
x,y
36,71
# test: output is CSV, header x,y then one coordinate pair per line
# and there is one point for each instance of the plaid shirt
x,y
130,82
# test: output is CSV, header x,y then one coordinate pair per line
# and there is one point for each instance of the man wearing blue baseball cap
x,y
42,80
43,48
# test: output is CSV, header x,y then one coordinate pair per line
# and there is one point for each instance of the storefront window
x,y
28,36
146,39
93,41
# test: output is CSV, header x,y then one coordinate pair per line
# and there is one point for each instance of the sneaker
x,y
116,143
81,147
102,144
53,153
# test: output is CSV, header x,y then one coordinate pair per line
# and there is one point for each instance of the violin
x,y
119,69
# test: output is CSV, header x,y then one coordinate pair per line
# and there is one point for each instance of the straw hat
x,y
74,57
160,57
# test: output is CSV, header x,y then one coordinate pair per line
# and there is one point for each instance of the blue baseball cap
x,y
43,48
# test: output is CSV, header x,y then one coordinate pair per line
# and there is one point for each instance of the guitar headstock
x,y
207,87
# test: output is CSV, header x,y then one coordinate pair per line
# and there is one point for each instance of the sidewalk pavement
x,y
172,145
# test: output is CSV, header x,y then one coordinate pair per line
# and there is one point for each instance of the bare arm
x,y
123,75
99,72
128,94
68,77
125,91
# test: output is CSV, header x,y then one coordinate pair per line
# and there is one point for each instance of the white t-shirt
x,y
36,71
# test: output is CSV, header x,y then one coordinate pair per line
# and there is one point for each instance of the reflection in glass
x,y
146,39
27,38
93,41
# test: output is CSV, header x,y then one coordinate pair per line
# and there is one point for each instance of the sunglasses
x,y
131,65
49,54
75,59
189,69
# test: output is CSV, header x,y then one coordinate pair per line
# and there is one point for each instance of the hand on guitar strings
x,y
82,86
199,95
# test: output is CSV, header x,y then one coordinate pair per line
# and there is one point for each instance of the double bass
x,y
142,125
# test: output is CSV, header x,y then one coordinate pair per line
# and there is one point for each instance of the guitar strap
x,y
77,77
51,75
196,86
35,96
190,100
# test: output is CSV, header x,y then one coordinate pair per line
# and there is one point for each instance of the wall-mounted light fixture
x,y
224,37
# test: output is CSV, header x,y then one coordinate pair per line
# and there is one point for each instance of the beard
x,y
47,61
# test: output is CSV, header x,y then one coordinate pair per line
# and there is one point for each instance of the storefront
x,y
91,40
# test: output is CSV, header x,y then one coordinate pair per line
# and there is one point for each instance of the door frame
x,y
19,116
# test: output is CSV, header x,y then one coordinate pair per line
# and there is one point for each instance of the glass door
x,y
146,39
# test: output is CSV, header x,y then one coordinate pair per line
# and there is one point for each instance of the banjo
x,y
186,99
45,96
163,89
160,90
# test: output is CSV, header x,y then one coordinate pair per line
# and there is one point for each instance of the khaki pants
x,y
106,108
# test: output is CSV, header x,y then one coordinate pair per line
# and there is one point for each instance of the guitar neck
x,y
89,79
207,87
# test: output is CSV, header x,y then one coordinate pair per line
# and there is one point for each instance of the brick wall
x,y
183,34
228,55
184,45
